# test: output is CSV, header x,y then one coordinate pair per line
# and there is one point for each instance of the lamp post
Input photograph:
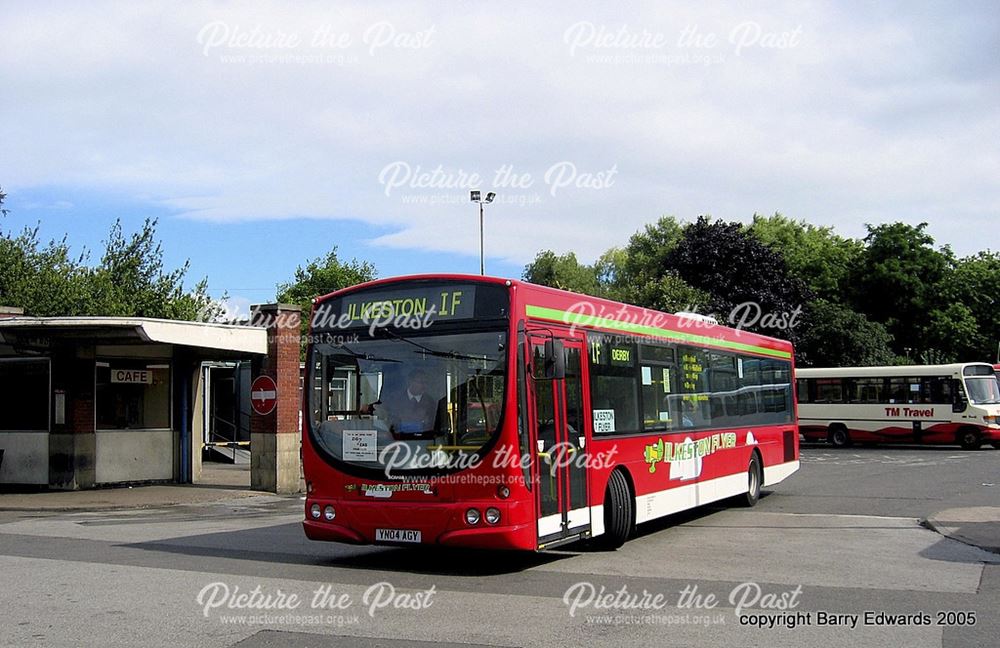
x,y
476,197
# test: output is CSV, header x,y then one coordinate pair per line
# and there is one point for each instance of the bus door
x,y
558,439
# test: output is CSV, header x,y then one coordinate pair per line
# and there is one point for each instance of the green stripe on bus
x,y
579,319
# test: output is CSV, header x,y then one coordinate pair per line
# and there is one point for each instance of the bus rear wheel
x,y
755,479
969,439
618,513
839,436
995,444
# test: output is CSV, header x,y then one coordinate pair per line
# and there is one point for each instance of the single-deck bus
x,y
936,404
473,411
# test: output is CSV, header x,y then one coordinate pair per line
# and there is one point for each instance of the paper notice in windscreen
x,y
604,421
360,445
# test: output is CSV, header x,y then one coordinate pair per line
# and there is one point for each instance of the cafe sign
x,y
132,376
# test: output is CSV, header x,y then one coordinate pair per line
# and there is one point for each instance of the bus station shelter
x,y
96,401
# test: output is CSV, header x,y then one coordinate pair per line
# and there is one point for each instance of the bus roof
x,y
562,306
954,369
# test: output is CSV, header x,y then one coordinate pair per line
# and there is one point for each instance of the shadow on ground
x,y
286,544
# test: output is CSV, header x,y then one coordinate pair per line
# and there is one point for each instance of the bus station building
x,y
101,401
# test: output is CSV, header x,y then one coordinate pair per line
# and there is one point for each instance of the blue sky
x,y
244,260
262,135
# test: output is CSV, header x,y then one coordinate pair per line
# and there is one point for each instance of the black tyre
x,y
618,512
839,436
755,479
970,439
995,444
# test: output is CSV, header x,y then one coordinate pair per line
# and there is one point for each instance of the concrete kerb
x,y
128,498
975,526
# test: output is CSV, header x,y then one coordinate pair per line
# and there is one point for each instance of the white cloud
x,y
866,115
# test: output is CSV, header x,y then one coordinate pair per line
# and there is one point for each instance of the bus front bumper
x,y
441,524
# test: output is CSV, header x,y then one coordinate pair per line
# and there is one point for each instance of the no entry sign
x,y
263,395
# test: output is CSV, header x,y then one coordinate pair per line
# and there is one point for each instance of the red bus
x,y
481,412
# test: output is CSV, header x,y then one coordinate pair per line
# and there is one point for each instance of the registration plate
x,y
397,535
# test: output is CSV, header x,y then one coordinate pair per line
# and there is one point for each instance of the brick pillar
x,y
73,443
275,439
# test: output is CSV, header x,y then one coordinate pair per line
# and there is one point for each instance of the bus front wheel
x,y
969,439
754,480
618,513
839,436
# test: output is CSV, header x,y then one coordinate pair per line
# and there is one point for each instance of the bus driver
x,y
410,412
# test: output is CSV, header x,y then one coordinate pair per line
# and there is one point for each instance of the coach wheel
x,y
969,439
754,480
618,515
995,444
839,436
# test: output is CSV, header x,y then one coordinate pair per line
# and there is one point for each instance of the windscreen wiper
x,y
362,356
435,352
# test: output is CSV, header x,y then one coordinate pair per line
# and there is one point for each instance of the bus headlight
x,y
315,511
329,513
492,515
992,419
472,516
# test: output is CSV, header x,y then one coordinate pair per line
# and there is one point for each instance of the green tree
x,y
608,269
321,276
898,282
668,293
648,250
836,336
44,280
974,283
818,256
564,272
955,334
643,275
131,280
616,275
749,282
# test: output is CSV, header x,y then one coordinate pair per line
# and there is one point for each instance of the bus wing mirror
x,y
555,360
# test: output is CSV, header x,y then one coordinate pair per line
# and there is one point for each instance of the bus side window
x,y
897,390
614,385
695,402
829,390
939,390
867,390
656,402
802,390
